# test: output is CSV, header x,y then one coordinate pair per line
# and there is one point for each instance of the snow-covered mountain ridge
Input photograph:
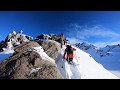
x,y
107,56
46,48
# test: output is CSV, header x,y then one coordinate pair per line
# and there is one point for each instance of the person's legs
x,y
67,59
71,60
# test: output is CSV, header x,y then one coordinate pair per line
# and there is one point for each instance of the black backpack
x,y
69,49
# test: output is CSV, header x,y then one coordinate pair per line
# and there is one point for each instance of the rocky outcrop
x,y
51,48
26,46
28,64
2,45
54,37
14,39
19,37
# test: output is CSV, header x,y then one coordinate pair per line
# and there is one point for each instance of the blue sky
x,y
97,27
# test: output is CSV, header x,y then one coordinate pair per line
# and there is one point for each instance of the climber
x,y
65,41
68,54
61,39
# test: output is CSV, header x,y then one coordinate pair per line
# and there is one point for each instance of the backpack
x,y
69,49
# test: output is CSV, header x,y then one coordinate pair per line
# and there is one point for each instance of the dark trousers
x,y
69,59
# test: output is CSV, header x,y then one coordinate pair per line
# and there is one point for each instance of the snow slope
x,y
107,56
85,67
7,52
42,54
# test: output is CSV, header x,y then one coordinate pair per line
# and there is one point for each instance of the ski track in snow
x,y
68,71
76,72
85,67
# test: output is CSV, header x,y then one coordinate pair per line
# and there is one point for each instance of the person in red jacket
x,y
65,41
68,54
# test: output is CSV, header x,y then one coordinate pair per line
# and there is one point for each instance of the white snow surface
x,y
7,52
85,67
43,55
34,70
108,57
14,32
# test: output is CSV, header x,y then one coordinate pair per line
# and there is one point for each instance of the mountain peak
x,y
14,32
14,39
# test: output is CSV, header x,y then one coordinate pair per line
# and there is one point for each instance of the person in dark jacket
x,y
61,39
68,54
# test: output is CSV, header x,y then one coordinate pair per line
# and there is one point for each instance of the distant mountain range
x,y
108,56
106,51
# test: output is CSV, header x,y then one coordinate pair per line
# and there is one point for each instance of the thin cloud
x,y
98,31
103,44
73,40
86,32
100,44
77,33
115,43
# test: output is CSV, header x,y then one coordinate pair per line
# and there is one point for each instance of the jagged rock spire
x,y
20,31
14,32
